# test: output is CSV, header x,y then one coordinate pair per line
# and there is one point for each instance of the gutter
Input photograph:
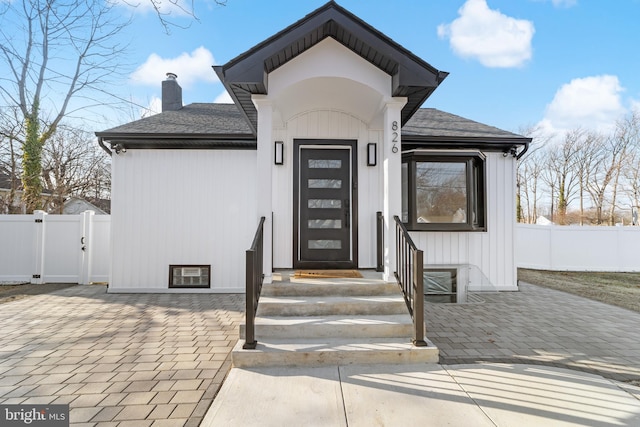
x,y
104,147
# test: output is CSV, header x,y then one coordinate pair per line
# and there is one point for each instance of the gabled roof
x,y
223,126
246,74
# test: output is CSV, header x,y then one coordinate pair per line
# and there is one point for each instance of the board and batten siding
x,y
326,124
181,207
492,252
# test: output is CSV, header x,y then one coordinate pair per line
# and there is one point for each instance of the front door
x,y
325,201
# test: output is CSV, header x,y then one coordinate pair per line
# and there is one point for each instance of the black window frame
x,y
173,285
475,162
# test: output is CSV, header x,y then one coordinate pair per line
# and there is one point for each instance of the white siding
x,y
491,251
181,207
326,124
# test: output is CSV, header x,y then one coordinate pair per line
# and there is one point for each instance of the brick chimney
x,y
171,93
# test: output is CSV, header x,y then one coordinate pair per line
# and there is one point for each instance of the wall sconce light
x,y
372,154
278,154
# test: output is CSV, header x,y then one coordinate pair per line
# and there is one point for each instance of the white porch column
x,y
392,180
264,177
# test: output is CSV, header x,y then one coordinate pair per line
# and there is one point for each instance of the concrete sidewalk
x,y
500,395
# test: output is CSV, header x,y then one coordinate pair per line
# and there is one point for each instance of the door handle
x,y
347,213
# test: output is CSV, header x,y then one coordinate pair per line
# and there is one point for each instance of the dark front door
x,y
324,207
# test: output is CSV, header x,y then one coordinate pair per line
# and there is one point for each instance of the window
x,y
443,191
189,276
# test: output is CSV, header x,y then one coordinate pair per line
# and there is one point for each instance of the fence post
x,y
86,239
40,223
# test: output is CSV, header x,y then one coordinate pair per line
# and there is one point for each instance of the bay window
x,y
443,191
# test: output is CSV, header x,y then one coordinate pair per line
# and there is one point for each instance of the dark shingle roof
x,y
223,126
192,119
192,126
431,128
429,122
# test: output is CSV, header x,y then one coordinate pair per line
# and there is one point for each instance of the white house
x,y
326,131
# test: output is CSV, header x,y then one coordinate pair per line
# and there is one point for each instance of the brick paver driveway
x,y
126,360
539,325
158,360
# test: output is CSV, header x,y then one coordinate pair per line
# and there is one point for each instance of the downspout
x,y
522,153
104,147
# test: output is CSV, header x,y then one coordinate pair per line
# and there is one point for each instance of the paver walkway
x,y
539,326
158,360
126,360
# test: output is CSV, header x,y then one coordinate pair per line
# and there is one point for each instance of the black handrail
x,y
379,242
410,277
254,278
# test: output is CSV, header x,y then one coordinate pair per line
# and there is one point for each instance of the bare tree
x,y
558,174
74,166
528,173
54,50
10,143
530,178
165,9
588,151
625,139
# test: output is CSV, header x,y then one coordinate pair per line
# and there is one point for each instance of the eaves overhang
x,y
247,74
516,146
177,141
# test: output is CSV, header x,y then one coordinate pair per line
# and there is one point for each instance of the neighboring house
x,y
5,192
77,205
543,220
326,131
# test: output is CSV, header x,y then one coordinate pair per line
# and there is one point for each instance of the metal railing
x,y
379,241
255,277
410,277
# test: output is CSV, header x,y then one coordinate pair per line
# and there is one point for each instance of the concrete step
x,y
394,325
319,352
323,306
331,287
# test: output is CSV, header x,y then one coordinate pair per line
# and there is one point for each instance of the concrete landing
x,y
333,351
501,395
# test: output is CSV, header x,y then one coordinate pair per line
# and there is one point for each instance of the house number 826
x,y
394,136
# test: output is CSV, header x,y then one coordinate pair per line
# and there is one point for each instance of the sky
x,y
559,64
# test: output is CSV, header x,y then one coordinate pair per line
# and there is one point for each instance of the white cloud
x,y
494,39
190,68
559,3
223,98
591,103
564,3
164,7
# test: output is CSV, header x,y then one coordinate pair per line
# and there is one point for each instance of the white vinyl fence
x,y
42,248
575,248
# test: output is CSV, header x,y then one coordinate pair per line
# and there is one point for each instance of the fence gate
x,y
42,248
